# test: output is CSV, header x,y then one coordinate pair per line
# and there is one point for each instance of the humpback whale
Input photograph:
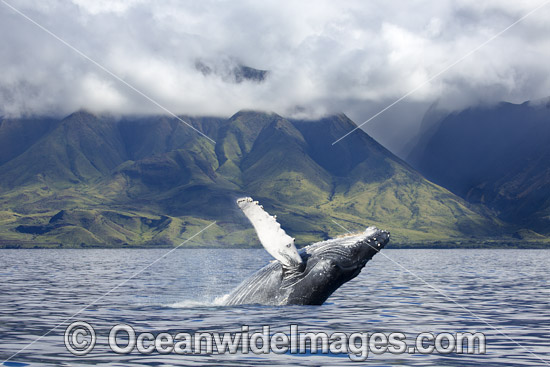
x,y
305,277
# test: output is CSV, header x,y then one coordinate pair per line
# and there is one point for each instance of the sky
x,y
322,57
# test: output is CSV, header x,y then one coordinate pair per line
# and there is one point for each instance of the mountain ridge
x,y
497,156
128,171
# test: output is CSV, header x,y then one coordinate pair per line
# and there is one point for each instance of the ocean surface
x,y
504,294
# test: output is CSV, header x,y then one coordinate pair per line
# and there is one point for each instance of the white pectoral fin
x,y
273,238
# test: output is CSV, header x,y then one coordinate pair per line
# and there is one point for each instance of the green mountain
x,y
497,156
90,180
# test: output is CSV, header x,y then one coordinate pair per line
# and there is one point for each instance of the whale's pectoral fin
x,y
273,238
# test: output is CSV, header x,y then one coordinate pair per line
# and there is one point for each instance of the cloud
x,y
322,56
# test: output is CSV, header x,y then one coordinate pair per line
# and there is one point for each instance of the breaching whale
x,y
305,277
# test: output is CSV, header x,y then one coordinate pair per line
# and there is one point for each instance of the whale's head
x,y
329,264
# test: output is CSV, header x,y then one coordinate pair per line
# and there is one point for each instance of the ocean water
x,y
503,294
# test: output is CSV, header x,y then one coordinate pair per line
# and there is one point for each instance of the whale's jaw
x,y
330,264
353,251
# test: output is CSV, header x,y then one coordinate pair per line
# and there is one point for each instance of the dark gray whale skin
x,y
326,266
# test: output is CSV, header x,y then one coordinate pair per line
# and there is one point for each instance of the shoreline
x,y
399,246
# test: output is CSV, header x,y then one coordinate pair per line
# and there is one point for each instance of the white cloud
x,y
324,56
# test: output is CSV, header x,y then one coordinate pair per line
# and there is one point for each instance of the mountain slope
x,y
279,168
498,156
17,135
372,184
97,180
81,147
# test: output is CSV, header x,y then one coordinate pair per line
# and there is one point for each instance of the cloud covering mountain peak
x,y
322,56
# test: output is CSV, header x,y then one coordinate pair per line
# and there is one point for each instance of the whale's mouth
x,y
370,246
362,251
353,252
376,242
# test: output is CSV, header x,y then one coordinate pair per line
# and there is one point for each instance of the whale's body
x,y
305,277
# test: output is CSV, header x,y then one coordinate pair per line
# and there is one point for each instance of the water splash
x,y
216,302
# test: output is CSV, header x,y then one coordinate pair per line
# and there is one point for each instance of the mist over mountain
x,y
498,156
230,71
99,180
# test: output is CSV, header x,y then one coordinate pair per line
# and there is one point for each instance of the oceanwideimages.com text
x,y
80,339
